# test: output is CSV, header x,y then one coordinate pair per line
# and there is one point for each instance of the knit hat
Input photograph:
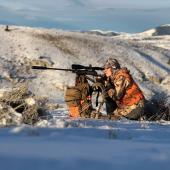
x,y
112,63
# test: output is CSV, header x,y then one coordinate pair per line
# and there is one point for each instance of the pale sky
x,y
116,15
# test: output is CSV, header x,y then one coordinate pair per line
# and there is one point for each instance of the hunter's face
x,y
108,72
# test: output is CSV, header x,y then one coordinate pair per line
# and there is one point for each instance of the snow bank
x,y
120,145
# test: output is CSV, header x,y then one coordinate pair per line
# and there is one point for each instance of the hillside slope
x,y
147,57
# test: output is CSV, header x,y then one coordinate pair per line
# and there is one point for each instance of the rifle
x,y
80,70
75,68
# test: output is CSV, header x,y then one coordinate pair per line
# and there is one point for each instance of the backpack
x,y
78,98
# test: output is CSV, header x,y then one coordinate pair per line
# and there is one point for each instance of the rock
x,y
155,79
17,105
40,62
169,61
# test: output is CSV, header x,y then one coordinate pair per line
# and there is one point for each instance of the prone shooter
x,y
121,94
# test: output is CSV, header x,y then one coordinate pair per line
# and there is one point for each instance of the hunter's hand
x,y
111,93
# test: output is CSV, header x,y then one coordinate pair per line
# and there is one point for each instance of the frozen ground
x,y
61,143
86,145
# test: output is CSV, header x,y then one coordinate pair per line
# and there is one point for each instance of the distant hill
x,y
102,33
159,31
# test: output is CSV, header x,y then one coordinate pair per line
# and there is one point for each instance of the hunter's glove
x,y
112,93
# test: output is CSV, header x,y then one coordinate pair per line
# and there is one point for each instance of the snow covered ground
x,y
87,145
61,143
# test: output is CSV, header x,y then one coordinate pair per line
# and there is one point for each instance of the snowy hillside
x,y
61,143
148,57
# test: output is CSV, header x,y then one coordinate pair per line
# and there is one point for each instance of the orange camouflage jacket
x,y
127,92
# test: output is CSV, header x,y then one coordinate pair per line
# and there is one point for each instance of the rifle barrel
x,y
77,71
49,68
